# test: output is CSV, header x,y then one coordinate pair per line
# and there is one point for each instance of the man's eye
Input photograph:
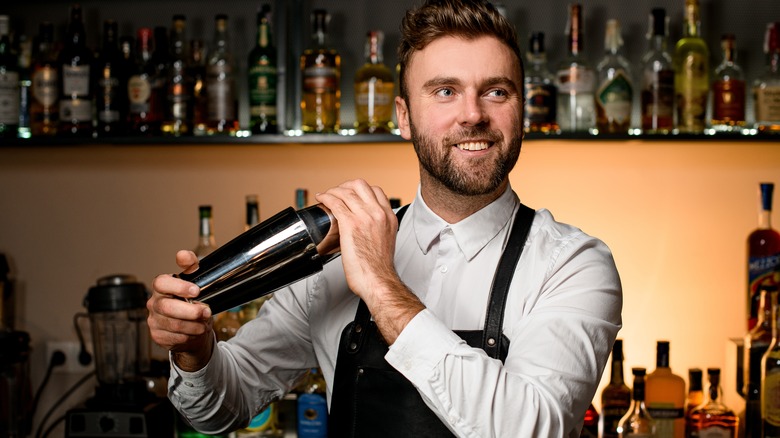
x,y
444,92
498,93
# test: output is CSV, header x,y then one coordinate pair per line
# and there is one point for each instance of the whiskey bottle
x,y
756,344
374,98
220,83
44,108
637,422
695,396
206,241
728,90
262,66
614,97
665,396
196,72
770,381
766,88
615,397
692,72
763,253
9,83
178,113
541,93
713,418
76,88
657,96
576,80
111,94
139,87
321,73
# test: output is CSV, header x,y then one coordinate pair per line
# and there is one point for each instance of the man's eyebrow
x,y
440,81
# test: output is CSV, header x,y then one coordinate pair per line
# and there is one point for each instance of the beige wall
x,y
675,213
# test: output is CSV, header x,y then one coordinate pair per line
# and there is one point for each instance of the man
x,y
480,343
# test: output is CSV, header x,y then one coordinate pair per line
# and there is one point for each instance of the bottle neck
x,y
692,27
617,372
765,219
765,306
714,392
263,35
206,233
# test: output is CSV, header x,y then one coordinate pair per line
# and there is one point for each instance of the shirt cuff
x,y
195,382
421,346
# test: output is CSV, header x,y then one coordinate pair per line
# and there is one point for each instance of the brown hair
x,y
463,18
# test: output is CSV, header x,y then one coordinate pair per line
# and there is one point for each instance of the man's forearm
x,y
392,308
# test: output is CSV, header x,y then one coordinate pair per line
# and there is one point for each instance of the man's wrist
x,y
191,361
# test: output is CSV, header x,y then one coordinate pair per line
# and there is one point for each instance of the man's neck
x,y
454,207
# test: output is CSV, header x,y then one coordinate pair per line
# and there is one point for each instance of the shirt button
x,y
188,384
444,269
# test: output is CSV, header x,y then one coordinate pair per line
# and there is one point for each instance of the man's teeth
x,y
472,146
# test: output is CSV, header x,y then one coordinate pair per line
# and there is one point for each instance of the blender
x,y
122,404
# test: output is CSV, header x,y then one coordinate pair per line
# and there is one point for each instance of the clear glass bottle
x,y
263,78
770,380
665,396
763,253
220,83
728,89
374,96
766,88
196,71
692,73
139,86
615,93
657,94
321,73
637,422
713,418
576,80
695,395
615,397
111,93
9,83
756,344
44,108
206,241
178,111
76,87
541,93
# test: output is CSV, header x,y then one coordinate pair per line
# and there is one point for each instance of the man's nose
x,y
472,111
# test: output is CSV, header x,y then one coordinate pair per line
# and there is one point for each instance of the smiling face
x,y
464,114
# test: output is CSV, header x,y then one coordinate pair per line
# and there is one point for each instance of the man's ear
x,y
402,115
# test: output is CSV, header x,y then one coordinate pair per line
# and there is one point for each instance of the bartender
x,y
465,314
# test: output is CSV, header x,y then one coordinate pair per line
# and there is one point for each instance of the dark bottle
x,y
178,113
657,94
76,80
262,68
616,396
196,71
541,93
111,82
220,83
763,248
160,61
25,82
9,83
756,344
139,87
728,90
44,108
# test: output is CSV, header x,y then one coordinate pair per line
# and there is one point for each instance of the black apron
x,y
372,399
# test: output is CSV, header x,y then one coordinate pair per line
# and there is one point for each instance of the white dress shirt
x,y
562,317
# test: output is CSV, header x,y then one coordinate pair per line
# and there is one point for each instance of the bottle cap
x,y
767,189
772,38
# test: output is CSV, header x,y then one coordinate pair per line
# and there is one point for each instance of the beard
x,y
483,175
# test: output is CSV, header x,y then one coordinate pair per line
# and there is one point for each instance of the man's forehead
x,y
446,53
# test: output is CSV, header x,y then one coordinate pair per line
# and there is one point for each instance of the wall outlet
x,y
71,350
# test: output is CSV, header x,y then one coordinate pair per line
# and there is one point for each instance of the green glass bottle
x,y
262,68
692,73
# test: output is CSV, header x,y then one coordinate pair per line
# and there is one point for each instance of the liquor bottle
x,y
657,96
196,71
615,93
139,87
756,344
374,98
313,407
713,418
576,80
321,73
206,241
44,108
695,391
692,70
763,253
766,88
9,83
25,82
615,397
728,90
637,422
178,84
590,424
541,93
665,396
252,212
76,88
770,380
220,83
262,69
111,81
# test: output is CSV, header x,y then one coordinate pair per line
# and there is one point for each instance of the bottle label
x,y
76,110
44,86
75,80
576,80
614,98
540,103
728,101
262,90
312,416
219,88
611,415
768,104
760,270
771,392
715,432
374,101
320,79
658,99
178,101
107,100
9,98
139,91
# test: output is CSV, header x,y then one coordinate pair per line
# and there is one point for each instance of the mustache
x,y
473,132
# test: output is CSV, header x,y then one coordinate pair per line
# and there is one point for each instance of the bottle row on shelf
x,y
160,83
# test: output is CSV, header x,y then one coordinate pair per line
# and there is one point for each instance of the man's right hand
x,y
181,327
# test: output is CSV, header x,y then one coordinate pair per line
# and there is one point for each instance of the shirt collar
x,y
471,233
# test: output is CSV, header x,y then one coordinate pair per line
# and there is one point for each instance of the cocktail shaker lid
x,y
114,293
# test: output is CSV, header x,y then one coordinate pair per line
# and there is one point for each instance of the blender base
x,y
154,419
